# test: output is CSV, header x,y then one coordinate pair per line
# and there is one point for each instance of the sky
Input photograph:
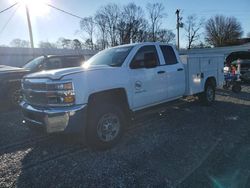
x,y
49,24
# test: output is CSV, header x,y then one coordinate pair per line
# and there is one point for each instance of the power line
x,y
8,21
71,14
64,11
8,8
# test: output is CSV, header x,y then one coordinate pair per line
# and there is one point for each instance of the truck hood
x,y
9,69
59,73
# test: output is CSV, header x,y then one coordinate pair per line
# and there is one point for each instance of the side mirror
x,y
40,67
150,60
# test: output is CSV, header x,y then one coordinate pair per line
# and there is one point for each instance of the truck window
x,y
53,63
72,62
245,66
142,55
168,54
113,57
33,64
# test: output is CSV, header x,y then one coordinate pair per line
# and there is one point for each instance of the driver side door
x,y
145,79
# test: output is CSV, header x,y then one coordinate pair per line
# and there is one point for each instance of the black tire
x,y
236,88
99,115
208,96
226,87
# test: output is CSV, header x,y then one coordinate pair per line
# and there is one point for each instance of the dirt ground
x,y
187,145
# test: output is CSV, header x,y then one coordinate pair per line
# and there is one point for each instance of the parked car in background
x,y
245,70
10,77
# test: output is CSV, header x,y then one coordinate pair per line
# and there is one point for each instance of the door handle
x,y
161,72
180,69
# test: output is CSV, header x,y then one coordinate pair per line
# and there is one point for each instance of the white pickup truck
x,y
97,99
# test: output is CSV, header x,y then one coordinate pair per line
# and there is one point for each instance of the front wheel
x,y
208,96
105,126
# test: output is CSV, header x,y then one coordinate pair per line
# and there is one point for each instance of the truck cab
x,y
156,75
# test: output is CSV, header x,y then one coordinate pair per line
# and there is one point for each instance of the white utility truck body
x,y
198,68
116,82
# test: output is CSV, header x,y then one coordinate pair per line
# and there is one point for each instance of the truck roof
x,y
143,43
72,55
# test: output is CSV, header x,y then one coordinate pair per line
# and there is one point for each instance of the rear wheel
x,y
225,87
105,126
208,96
236,88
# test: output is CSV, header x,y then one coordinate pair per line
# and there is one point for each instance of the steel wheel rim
x,y
210,94
108,127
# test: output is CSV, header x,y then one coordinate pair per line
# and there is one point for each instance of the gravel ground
x,y
187,145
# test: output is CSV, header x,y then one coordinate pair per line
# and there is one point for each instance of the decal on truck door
x,y
138,87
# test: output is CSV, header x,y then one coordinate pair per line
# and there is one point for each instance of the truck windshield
x,y
112,57
31,65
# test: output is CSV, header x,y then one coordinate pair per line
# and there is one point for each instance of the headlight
x,y
60,86
68,97
61,93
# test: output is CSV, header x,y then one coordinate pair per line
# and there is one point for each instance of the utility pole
x,y
29,25
178,28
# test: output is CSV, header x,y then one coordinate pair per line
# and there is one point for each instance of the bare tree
x,y
166,36
47,45
156,13
201,45
222,31
131,22
88,44
111,13
19,43
142,35
64,43
87,25
121,25
192,27
76,44
100,20
101,44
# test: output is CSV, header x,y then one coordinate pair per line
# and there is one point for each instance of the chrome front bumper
x,y
58,119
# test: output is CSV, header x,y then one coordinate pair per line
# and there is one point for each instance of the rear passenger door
x,y
175,73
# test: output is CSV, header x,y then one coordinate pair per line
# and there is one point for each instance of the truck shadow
x,y
243,95
227,166
6,107
161,152
14,136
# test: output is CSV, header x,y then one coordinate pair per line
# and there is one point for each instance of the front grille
x,y
35,91
43,92
33,97
32,86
